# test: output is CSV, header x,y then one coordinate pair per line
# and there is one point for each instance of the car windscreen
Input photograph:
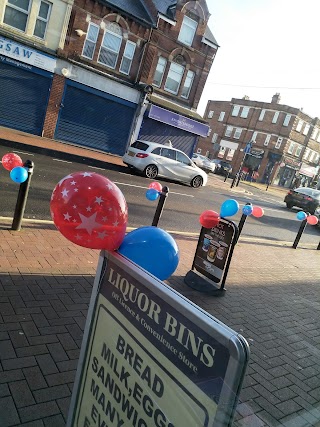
x,y
140,145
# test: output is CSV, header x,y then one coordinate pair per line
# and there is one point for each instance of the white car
x,y
155,159
203,162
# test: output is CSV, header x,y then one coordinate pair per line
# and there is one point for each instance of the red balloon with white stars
x,y
90,210
11,160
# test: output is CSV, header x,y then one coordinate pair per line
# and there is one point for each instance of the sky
x,y
266,46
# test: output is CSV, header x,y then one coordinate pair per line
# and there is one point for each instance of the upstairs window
x,y
245,112
42,19
174,78
275,117
187,84
306,154
127,58
298,150
17,13
237,133
221,116
158,75
267,140
287,120
91,40
228,131
187,31
254,137
214,138
314,133
291,147
262,113
235,110
210,114
306,129
279,142
110,47
299,125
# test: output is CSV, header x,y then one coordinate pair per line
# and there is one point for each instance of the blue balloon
x,y
152,194
19,174
301,216
229,208
152,249
247,209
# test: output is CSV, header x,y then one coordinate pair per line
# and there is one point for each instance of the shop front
x,y
287,172
307,174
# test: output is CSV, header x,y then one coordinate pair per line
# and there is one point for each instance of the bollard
x,y
300,231
158,212
22,197
318,248
242,222
227,176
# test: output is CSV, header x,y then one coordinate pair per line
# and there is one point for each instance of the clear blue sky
x,y
266,46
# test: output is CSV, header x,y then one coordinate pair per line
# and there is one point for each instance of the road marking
x,y
95,167
22,152
146,188
59,160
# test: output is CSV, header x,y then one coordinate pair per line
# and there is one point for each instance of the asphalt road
x,y
182,208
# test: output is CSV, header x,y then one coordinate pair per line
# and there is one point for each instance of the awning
x,y
308,170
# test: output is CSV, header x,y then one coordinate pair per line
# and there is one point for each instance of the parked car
x,y
203,162
155,159
222,167
305,198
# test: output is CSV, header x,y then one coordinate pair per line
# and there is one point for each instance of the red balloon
x,y
257,211
11,160
156,186
312,220
209,219
89,210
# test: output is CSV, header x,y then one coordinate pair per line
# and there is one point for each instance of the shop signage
x,y
150,357
178,121
256,152
291,163
308,170
19,52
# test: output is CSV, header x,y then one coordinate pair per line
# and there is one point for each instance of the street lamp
x,y
237,176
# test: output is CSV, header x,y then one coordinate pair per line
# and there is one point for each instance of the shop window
x,y
174,78
245,112
235,110
110,47
267,140
127,58
287,120
221,116
275,117
228,131
187,84
262,113
158,75
237,133
42,19
91,40
187,31
221,152
17,13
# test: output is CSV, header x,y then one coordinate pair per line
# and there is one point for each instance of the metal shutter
x,y
95,119
24,98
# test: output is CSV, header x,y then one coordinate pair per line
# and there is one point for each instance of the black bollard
x,y
158,212
22,197
300,231
242,222
318,248
227,176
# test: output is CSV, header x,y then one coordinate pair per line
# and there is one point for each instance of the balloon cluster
x,y
255,211
13,163
154,191
311,219
91,211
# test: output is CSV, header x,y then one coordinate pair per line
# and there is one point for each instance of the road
x,y
182,209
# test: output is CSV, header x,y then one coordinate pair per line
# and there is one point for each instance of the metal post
x,y
227,176
158,212
242,222
318,248
22,197
301,230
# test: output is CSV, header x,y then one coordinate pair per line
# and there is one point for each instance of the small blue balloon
x,y
152,249
19,174
301,216
152,194
247,210
229,208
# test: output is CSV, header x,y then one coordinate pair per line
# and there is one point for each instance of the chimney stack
x,y
276,98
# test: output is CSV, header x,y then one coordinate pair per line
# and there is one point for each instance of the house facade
x,y
270,141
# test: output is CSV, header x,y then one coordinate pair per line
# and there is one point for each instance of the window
x,y
126,60
298,151
16,14
245,112
286,120
214,138
318,137
110,47
158,75
91,40
235,110
299,125
168,153
221,116
187,31
210,114
267,140
306,154
291,147
221,152
174,78
279,141
314,133
182,158
237,133
187,84
262,115
254,137
207,153
42,19
228,131
230,154
306,129
275,117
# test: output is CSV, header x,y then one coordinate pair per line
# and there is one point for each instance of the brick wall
x,y
53,106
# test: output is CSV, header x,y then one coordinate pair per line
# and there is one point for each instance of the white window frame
x,y
190,76
187,25
306,154
279,142
235,111
299,125
19,9
230,154
164,65
43,19
172,65
262,113
221,152
128,57
267,140
318,137
275,117
210,114
245,112
237,133
111,50
228,131
214,138
94,42
306,129
291,147
314,133
254,137
221,116
298,150
286,120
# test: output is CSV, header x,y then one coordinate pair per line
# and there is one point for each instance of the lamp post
x,y
237,176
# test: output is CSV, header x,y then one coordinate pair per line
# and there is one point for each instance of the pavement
x,y
272,298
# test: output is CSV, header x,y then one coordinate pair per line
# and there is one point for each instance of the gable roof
x,y
210,37
133,8
163,6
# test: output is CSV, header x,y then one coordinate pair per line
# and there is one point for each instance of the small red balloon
x,y
312,220
156,186
209,219
90,211
11,160
257,211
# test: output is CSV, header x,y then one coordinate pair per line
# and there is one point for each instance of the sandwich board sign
x,y
212,257
150,357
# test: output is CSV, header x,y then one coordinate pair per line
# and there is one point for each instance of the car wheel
x,y
289,205
311,209
151,171
197,181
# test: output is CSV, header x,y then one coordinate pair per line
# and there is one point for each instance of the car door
x,y
167,163
185,167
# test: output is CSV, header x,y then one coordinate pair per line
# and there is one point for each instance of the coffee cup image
x,y
206,242
221,251
212,251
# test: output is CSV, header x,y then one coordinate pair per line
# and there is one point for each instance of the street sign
x,y
150,357
247,148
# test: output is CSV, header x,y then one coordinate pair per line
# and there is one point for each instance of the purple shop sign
x,y
178,121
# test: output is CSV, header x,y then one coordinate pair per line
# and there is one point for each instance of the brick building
x,y
285,142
